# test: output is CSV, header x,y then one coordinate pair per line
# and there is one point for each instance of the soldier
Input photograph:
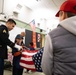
x,y
4,42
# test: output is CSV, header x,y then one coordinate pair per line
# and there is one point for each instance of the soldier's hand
x,y
18,47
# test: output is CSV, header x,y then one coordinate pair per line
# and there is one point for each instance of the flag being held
x,y
37,58
27,61
31,60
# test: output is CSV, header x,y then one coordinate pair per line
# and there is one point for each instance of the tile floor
x,y
6,72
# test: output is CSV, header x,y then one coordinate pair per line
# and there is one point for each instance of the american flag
x,y
26,60
32,24
31,60
37,60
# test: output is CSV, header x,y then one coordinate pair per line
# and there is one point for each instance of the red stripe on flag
x,y
23,55
26,60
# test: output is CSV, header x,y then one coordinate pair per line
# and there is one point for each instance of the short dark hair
x,y
11,21
31,43
69,14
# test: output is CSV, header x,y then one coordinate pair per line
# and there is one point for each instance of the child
x,y
31,47
17,69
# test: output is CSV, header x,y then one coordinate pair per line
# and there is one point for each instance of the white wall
x,y
42,16
14,32
24,12
52,23
0,6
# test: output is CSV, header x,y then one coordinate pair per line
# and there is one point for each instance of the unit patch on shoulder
x,y
4,31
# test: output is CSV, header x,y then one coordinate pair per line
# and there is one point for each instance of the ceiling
x,y
34,4
51,5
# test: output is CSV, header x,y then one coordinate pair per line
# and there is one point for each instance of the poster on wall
x,y
38,39
34,38
30,37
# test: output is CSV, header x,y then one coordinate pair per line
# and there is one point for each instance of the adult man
x,y
4,41
22,35
59,56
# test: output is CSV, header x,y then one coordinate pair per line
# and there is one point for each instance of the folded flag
x,y
26,60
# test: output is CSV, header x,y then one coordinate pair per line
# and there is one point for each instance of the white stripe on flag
x,y
28,54
26,59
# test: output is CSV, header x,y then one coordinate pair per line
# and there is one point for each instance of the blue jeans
x,y
1,66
